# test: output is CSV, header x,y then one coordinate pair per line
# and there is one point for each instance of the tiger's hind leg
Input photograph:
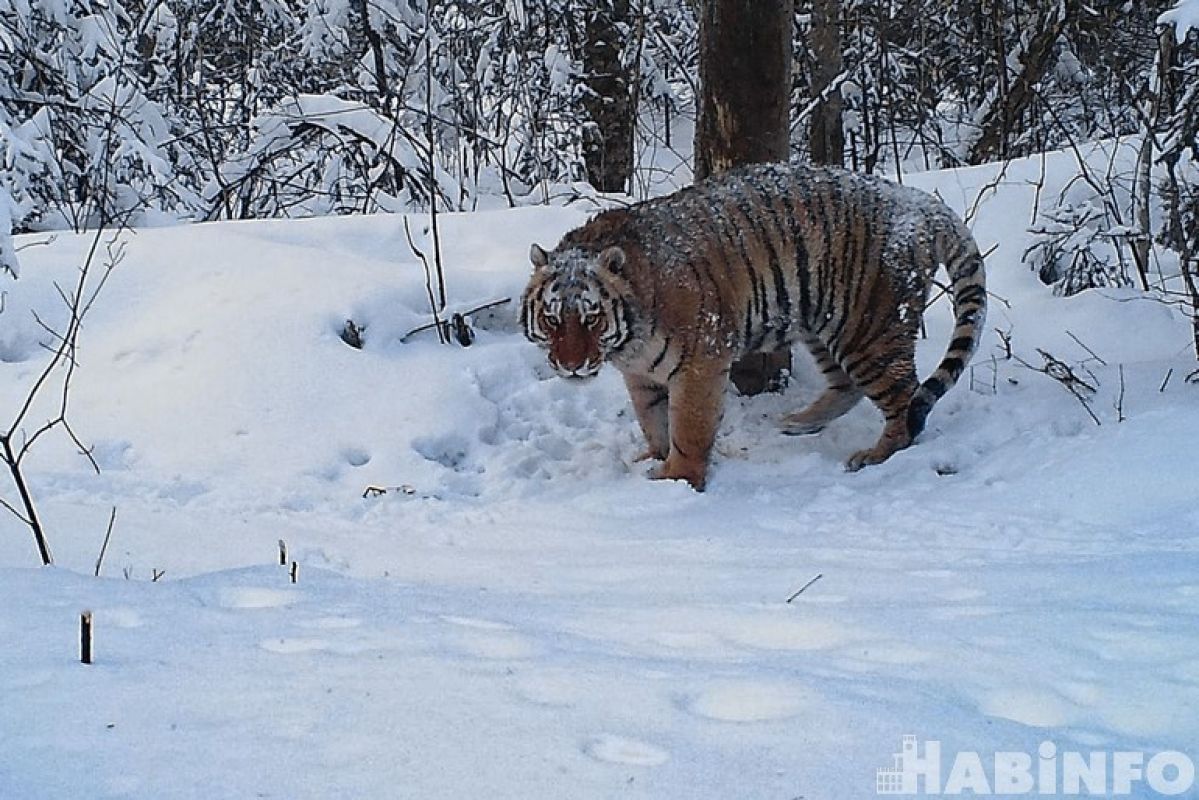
x,y
840,396
888,377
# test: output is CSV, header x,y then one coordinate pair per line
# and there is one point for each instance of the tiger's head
x,y
576,307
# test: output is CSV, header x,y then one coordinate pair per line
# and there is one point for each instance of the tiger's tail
x,y
968,292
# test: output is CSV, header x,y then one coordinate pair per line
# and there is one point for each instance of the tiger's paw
x,y
696,475
865,458
649,454
793,427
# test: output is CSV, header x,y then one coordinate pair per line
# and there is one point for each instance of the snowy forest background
x,y
139,112
323,554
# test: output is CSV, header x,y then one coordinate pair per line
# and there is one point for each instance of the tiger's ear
x,y
538,256
612,259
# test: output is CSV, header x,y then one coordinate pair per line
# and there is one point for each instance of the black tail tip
x,y
922,403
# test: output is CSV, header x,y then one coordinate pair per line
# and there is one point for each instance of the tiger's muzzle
x,y
574,350
582,372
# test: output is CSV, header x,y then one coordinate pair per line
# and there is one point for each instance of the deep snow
x,y
531,617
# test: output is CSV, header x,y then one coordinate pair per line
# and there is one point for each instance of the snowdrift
x,y
522,613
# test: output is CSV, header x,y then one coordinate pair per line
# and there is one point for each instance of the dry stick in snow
x,y
85,637
1169,373
804,588
51,239
1120,398
990,189
282,553
107,535
62,347
1040,187
1084,347
1005,338
994,366
431,165
62,358
463,314
433,306
1061,372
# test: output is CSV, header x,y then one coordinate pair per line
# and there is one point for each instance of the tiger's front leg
x,y
696,403
651,402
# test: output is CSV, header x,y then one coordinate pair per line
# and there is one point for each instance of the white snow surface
x,y
531,617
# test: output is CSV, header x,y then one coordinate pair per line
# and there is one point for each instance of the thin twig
x,y
803,588
468,312
431,166
112,518
1061,372
63,350
38,243
433,307
1120,398
1084,347
9,507
1005,337
990,187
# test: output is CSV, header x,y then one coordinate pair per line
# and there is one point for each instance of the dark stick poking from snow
x,y
1120,400
1061,372
804,588
85,637
457,320
107,535
1091,352
435,308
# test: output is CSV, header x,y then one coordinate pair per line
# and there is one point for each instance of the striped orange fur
x,y
671,291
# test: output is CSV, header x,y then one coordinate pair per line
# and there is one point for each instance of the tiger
x,y
673,289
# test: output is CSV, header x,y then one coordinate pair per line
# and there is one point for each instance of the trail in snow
x,y
531,617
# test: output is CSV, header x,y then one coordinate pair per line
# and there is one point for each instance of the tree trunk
x,y
374,45
1175,91
1142,187
608,140
1022,70
744,116
826,138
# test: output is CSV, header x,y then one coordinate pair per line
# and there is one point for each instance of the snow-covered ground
x,y
530,617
